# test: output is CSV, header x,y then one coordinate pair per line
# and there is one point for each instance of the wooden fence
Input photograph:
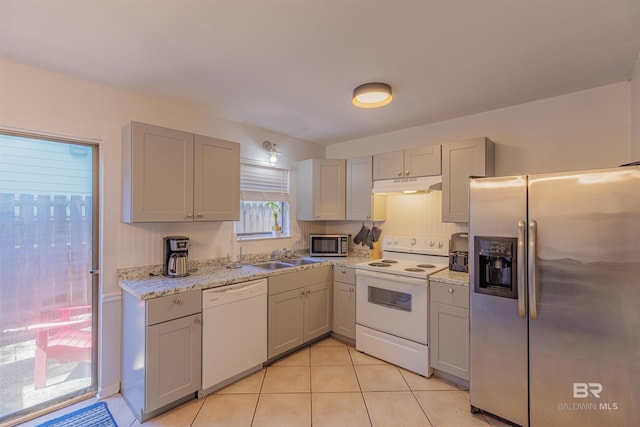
x,y
45,258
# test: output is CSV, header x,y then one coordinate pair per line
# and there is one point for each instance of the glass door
x,y
48,251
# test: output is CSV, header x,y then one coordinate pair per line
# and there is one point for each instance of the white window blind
x,y
263,183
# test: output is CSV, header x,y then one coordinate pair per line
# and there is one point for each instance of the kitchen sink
x,y
273,265
276,265
302,261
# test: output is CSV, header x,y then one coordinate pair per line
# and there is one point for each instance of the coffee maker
x,y
176,253
459,255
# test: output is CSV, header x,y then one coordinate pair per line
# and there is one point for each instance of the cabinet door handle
x,y
308,292
406,173
190,215
177,301
399,173
450,290
302,293
351,290
199,215
197,320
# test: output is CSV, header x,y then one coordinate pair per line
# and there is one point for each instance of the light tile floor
x,y
326,384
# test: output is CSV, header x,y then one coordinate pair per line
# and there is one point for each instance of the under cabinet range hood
x,y
408,185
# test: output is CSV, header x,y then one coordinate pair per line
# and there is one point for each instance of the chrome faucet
x,y
274,254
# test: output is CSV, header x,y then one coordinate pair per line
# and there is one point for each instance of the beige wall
x,y
579,130
587,129
635,112
34,100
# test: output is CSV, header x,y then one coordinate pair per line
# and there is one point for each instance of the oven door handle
x,y
389,277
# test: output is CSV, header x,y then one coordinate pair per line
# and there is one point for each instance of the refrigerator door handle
x,y
533,300
522,296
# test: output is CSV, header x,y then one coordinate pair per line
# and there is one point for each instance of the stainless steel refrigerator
x,y
555,298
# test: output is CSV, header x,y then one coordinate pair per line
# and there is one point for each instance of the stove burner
x,y
426,266
389,261
379,264
413,269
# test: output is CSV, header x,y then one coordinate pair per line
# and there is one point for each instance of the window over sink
x,y
264,201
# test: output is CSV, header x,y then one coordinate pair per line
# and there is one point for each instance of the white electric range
x,y
392,300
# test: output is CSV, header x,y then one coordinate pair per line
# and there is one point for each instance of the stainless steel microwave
x,y
328,244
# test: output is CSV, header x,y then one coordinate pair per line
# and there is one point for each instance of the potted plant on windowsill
x,y
276,228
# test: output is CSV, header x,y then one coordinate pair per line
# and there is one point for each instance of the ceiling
x,y
290,65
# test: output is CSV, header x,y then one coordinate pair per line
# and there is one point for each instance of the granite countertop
x,y
451,277
154,285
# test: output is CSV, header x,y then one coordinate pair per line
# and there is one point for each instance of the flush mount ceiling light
x,y
372,95
270,148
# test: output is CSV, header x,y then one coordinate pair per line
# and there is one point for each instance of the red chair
x,y
67,339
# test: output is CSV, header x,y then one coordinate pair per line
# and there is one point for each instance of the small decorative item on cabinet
x,y
276,229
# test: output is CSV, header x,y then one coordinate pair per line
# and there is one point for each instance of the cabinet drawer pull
x,y
450,290
177,301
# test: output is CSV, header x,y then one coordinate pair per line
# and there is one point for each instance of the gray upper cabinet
x,y
460,160
216,179
320,189
420,161
361,204
174,176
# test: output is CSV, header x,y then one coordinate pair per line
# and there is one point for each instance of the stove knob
x,y
413,242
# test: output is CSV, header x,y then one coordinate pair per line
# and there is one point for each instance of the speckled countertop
x,y
147,282
451,277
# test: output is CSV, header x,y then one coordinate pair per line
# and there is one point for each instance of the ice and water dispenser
x,y
496,263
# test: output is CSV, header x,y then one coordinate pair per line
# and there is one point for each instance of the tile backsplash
x,y
417,214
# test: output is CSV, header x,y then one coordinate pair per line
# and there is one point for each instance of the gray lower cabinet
x,y
162,351
449,328
344,302
299,308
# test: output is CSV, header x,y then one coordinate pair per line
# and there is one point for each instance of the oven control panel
x,y
417,245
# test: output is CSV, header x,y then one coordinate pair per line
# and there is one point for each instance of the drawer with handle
x,y
344,275
450,294
173,306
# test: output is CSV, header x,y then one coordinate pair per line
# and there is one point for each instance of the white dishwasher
x,y
234,332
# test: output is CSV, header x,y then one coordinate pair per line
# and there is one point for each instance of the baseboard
x,y
104,392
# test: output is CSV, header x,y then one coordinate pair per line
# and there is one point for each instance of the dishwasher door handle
x,y
234,292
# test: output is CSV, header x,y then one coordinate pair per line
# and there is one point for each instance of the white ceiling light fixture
x,y
270,148
372,95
